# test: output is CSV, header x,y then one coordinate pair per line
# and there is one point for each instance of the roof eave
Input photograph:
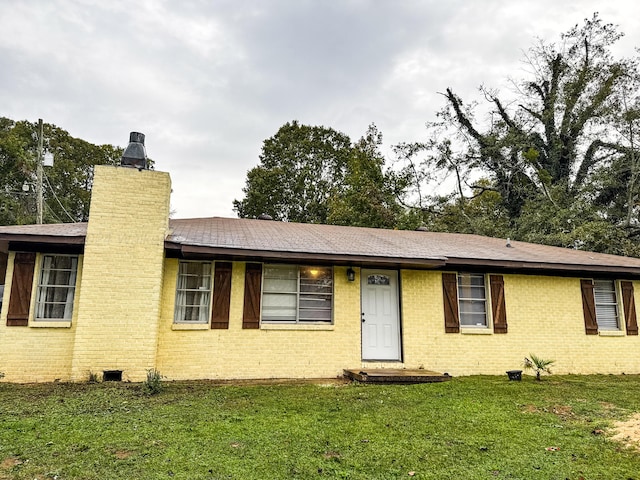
x,y
176,249
226,253
541,268
48,239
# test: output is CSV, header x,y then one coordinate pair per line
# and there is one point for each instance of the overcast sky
x,y
208,81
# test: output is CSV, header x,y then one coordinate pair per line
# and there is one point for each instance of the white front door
x,y
380,317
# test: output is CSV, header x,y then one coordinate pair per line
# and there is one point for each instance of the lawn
x,y
468,428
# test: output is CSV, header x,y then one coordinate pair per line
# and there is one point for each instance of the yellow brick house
x,y
223,298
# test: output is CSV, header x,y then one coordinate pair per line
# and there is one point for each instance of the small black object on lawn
x,y
515,375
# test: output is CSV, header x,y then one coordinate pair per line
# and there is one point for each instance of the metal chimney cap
x,y
136,137
135,155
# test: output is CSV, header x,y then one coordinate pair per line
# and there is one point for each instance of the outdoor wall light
x,y
351,274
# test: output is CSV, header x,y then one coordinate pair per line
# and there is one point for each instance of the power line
x,y
57,200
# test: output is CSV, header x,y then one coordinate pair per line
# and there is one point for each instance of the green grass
x,y
468,428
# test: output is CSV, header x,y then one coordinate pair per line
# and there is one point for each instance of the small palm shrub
x,y
538,365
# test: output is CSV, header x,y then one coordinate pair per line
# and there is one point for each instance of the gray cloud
x,y
207,82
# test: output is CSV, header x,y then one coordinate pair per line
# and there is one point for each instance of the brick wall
x,y
35,354
545,319
119,304
294,352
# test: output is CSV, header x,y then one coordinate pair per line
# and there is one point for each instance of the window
x,y
467,297
601,307
296,294
472,301
56,287
193,292
606,301
378,279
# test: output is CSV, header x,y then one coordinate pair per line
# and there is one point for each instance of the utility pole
x,y
39,202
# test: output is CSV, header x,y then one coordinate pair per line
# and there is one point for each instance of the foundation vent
x,y
112,376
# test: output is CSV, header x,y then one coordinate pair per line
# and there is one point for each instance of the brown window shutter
x,y
20,299
221,295
450,291
496,283
589,307
252,292
629,305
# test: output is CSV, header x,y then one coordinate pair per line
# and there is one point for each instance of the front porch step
x,y
389,375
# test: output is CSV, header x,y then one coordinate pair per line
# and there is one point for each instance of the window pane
x,y
56,287
315,301
281,271
606,304
297,294
309,315
316,280
194,298
318,286
193,292
315,273
55,295
471,286
378,280
473,306
604,291
280,279
279,307
472,300
315,308
60,262
59,277
56,310
470,319
280,285
467,291
191,314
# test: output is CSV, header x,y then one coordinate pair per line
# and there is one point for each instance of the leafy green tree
x,y
313,174
558,156
15,171
67,184
482,213
557,129
301,167
578,224
369,195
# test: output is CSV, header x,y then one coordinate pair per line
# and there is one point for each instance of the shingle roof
x,y
272,240
377,246
47,233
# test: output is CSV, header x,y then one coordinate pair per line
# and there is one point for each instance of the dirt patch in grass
x,y
628,432
530,409
563,411
606,406
331,455
9,463
122,454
